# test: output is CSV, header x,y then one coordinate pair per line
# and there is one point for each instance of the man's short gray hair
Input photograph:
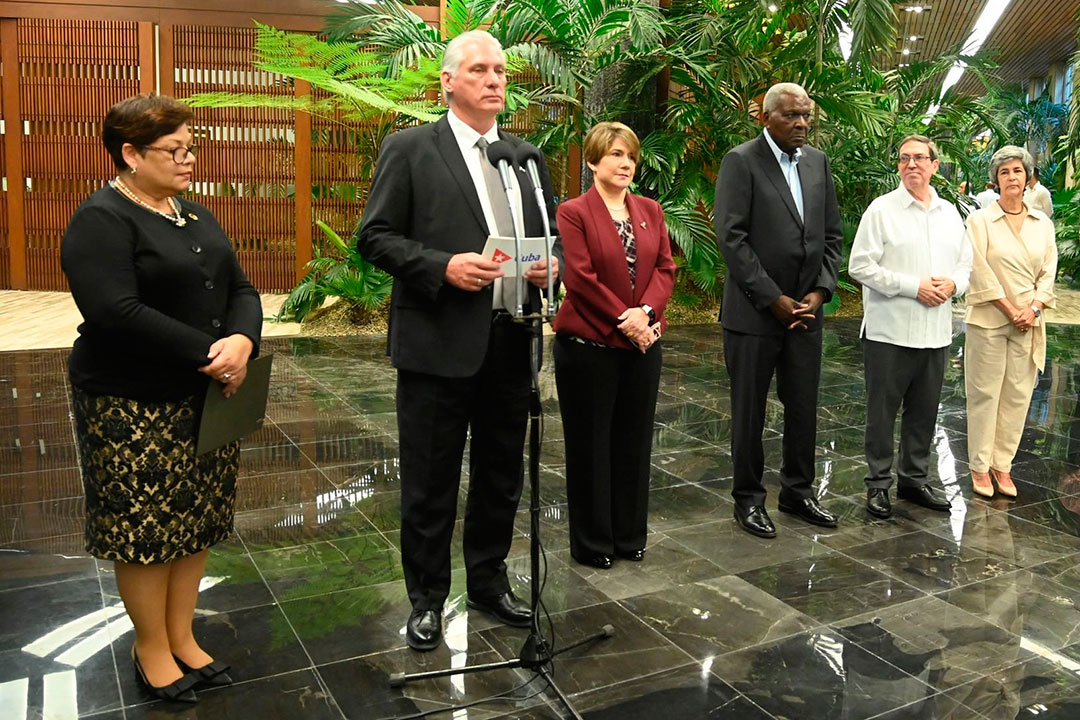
x,y
455,49
1008,153
924,140
772,97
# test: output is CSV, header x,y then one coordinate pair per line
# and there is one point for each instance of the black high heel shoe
x,y
213,674
179,691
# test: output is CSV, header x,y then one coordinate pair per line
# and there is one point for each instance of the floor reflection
x,y
971,614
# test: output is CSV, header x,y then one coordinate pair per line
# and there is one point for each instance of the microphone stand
x,y
536,653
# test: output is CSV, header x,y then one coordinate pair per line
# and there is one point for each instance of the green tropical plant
x,y
341,272
1038,123
350,87
555,48
723,56
1066,222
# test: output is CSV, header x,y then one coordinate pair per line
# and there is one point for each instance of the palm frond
x,y
873,27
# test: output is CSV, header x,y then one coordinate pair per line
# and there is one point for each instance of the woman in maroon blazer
x,y
618,275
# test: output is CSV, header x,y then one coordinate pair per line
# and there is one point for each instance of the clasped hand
x,y
635,326
934,291
472,272
1023,320
794,314
228,362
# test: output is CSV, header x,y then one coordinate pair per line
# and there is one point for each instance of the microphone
x,y
501,154
529,157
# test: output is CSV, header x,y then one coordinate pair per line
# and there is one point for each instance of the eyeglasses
x,y
179,154
920,159
792,116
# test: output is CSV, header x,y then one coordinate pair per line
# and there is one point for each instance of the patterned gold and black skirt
x,y
149,497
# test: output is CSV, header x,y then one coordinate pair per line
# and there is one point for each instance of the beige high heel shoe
x,y
1004,482
981,484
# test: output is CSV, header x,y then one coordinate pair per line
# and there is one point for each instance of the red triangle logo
x,y
499,256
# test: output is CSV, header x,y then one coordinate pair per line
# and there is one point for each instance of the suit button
x,y
196,249
209,284
216,323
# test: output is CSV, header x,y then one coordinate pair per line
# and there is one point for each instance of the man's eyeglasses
x,y
179,154
792,116
920,159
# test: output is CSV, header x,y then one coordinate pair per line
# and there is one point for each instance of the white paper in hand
x,y
501,250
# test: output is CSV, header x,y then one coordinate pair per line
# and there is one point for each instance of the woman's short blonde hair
x,y
603,135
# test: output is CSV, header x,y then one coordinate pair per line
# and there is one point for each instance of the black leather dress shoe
x,y
179,691
423,631
810,510
923,495
601,562
635,555
213,674
755,521
877,502
506,607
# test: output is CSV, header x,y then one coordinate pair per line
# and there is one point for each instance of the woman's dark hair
x,y
141,120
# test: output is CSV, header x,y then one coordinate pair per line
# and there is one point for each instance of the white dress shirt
x,y
789,166
986,197
1039,198
899,242
466,139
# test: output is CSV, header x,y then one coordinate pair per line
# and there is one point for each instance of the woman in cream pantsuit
x,y
1012,280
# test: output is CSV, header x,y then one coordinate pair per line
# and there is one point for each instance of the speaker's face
x,y
479,85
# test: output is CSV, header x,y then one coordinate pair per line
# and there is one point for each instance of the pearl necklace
x,y
119,186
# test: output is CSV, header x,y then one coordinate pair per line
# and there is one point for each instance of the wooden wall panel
x,y
337,194
266,185
71,72
5,257
246,168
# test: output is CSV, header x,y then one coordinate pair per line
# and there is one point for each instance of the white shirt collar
x,y
907,199
466,135
777,151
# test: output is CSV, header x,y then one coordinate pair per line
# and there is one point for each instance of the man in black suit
x,y
778,226
463,365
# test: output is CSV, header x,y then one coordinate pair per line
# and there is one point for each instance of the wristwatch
x,y
650,312
1037,311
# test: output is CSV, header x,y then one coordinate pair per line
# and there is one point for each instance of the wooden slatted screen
x,y
337,195
526,121
246,171
265,185
71,72
5,253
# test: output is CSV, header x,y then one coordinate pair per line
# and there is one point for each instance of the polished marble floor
x,y
968,615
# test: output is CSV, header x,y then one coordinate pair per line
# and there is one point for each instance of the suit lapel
x,y
451,154
776,177
610,242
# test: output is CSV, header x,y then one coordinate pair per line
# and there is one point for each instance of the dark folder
x,y
227,419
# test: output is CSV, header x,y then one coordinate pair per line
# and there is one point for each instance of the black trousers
x,y
607,397
896,376
795,358
434,416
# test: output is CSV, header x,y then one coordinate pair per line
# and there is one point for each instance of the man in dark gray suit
x,y
778,226
463,364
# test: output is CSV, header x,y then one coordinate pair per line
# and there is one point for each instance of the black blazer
x,y
154,297
423,208
769,251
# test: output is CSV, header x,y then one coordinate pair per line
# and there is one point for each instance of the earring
x,y
134,170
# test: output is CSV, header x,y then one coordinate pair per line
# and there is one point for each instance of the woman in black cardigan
x,y
166,310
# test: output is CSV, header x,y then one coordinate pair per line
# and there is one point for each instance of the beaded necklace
x,y
119,186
